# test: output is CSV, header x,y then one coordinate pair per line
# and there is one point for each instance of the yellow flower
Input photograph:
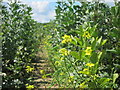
x,y
86,34
94,76
71,78
63,41
61,73
82,85
61,58
84,72
57,63
88,51
66,38
85,69
29,86
49,36
44,76
90,64
29,69
42,72
63,51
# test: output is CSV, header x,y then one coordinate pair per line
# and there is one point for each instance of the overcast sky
x,y
43,10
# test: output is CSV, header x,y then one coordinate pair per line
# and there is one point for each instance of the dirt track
x,y
42,64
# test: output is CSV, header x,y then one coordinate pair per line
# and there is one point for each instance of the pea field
x,y
81,46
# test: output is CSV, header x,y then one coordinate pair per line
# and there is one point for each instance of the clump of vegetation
x,y
83,45
19,44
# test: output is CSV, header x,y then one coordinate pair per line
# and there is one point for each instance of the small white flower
x,y
3,74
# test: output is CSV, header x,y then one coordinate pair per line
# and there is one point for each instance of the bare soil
x,y
42,64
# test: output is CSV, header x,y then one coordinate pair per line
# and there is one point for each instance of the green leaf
x,y
104,41
115,76
92,84
74,41
99,56
103,81
93,41
84,72
94,58
75,54
79,41
112,50
99,40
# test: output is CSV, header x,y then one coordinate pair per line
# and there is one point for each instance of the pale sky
x,y
43,10
59,0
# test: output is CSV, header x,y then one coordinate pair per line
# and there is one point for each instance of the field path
x,y
42,64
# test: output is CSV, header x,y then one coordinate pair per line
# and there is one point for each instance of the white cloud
x,y
41,11
97,0
108,0
5,0
44,18
40,18
40,0
51,14
39,6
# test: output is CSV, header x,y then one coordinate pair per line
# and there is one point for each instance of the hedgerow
x,y
19,44
84,45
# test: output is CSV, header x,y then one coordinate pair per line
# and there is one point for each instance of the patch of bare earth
x,y
42,64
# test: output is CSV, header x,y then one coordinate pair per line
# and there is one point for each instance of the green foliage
x,y
83,44
85,34
19,44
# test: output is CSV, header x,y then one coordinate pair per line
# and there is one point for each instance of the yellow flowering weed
x,y
86,34
84,72
29,69
71,79
62,58
85,69
61,73
88,51
42,72
82,85
44,77
57,63
90,64
29,86
64,51
66,38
